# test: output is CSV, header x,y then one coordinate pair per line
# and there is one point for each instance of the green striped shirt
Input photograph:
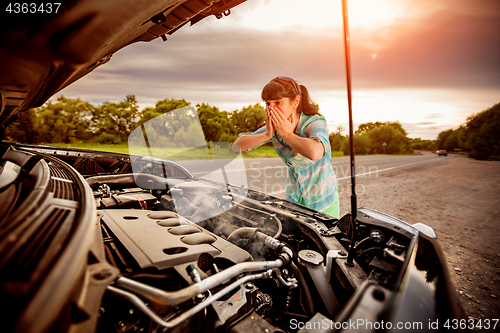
x,y
314,182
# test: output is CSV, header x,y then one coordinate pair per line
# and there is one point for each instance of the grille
x,y
56,171
61,184
27,262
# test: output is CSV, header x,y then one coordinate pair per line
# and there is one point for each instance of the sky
x,y
427,64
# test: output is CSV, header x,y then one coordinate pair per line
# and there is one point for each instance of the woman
x,y
299,135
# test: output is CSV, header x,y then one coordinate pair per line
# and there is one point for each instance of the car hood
x,y
41,53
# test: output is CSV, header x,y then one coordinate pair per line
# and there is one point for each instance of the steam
x,y
178,136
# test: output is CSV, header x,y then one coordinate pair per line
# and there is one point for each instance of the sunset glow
x,y
427,64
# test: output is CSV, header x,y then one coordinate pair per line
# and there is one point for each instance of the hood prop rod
x,y
354,208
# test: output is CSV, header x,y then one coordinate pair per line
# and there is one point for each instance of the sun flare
x,y
367,15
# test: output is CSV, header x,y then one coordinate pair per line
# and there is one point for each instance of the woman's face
x,y
286,105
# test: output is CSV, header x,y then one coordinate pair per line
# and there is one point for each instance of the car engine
x,y
98,247
251,261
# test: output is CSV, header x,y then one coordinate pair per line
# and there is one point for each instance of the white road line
x,y
239,170
367,173
361,174
284,166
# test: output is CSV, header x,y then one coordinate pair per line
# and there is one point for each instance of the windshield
x,y
178,136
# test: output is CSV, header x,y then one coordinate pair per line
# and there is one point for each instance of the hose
x,y
280,226
242,232
189,313
307,297
251,232
162,297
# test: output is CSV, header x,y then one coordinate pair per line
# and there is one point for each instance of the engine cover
x,y
162,239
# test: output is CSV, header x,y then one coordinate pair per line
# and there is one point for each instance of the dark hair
x,y
284,86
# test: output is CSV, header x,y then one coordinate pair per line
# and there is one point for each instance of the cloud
x,y
433,116
450,49
425,123
454,50
424,130
215,63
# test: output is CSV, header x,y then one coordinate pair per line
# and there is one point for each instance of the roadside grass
x,y
215,151
119,148
337,153
261,152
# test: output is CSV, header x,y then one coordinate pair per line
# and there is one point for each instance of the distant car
x,y
442,152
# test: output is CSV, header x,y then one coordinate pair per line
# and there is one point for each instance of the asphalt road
x,y
268,175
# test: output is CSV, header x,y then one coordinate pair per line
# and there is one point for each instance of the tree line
x,y
68,120
479,136
375,138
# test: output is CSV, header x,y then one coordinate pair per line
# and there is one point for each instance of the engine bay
x,y
163,251
199,256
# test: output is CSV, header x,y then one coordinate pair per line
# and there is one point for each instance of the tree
x,y
163,106
421,144
397,126
395,140
24,129
171,116
213,121
226,137
481,134
442,137
248,119
116,120
365,127
170,104
450,139
65,120
172,123
454,140
391,133
337,139
362,145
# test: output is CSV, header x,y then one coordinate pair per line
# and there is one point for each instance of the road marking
x,y
357,175
367,173
249,169
284,166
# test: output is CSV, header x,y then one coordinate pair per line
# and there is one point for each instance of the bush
x,y
362,145
107,138
227,138
482,136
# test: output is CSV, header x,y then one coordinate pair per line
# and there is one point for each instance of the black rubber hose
x,y
307,298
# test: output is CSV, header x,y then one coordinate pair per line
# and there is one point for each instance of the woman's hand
x,y
284,126
269,125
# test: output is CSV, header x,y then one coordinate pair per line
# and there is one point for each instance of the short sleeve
x,y
319,132
260,130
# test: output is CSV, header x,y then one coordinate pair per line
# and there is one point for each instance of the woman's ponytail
x,y
307,106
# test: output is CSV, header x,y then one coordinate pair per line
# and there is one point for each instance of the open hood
x,y
104,242
45,48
